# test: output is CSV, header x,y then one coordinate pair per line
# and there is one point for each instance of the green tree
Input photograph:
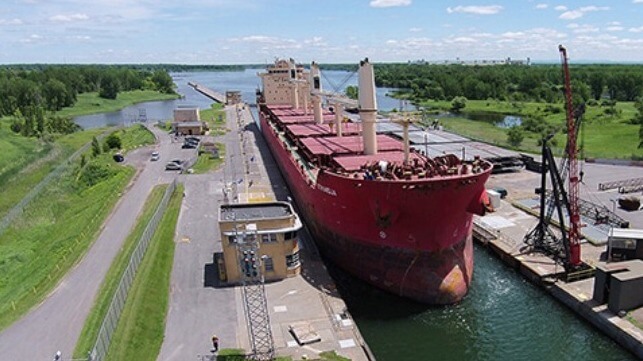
x,y
597,83
515,136
352,91
56,95
113,141
108,86
95,147
458,103
163,81
639,119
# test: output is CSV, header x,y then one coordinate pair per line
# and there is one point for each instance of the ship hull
x,y
409,238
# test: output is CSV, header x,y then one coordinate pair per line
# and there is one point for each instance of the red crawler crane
x,y
574,215
565,248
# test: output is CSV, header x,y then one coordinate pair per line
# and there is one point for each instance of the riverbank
x,y
91,103
607,131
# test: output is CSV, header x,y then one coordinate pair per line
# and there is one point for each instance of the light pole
x,y
611,234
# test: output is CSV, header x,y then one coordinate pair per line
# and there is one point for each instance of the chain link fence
x,y
99,351
16,210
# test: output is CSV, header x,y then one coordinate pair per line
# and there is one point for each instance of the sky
x,y
327,31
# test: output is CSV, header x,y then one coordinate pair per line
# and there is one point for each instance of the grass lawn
x,y
91,103
56,229
605,135
216,119
24,162
139,334
113,277
215,116
206,162
135,136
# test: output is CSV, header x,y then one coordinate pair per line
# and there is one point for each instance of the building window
x,y
292,260
267,262
267,238
232,239
290,235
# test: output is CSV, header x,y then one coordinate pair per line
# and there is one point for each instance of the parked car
x,y
155,156
177,161
118,157
173,166
188,145
192,139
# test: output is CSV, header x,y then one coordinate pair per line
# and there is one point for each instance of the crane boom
x,y
574,214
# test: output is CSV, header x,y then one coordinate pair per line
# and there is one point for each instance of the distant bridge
x,y
216,96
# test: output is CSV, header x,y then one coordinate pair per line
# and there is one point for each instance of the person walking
x,y
215,343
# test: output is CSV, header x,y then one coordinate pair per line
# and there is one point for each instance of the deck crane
x,y
565,249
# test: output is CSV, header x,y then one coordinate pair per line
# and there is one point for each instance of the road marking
x,y
185,239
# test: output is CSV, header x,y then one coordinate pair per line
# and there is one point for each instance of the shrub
x,y
94,173
113,141
515,136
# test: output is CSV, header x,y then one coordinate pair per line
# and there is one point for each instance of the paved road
x,y
199,309
56,323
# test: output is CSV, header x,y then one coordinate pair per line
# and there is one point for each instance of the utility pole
x,y
254,294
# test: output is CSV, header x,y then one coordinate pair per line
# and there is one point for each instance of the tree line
x,y
29,92
541,83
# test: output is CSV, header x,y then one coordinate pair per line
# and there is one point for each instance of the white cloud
x,y
637,1
10,22
482,35
571,15
572,25
473,9
512,34
542,6
636,30
415,30
80,38
461,39
560,8
584,29
614,23
593,8
578,13
614,28
33,38
68,18
389,3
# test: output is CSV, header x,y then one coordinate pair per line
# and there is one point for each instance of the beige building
x,y
233,97
268,228
282,80
187,121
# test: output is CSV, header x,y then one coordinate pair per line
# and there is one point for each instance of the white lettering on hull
x,y
327,190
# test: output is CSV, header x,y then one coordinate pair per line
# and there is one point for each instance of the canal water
x,y
503,317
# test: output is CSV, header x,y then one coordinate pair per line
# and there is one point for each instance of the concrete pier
x,y
216,96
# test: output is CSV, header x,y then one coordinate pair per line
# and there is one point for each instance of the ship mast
x,y
292,73
315,89
368,107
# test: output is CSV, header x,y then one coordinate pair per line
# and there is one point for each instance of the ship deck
x,y
323,147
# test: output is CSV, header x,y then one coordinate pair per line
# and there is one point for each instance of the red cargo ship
x,y
391,216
